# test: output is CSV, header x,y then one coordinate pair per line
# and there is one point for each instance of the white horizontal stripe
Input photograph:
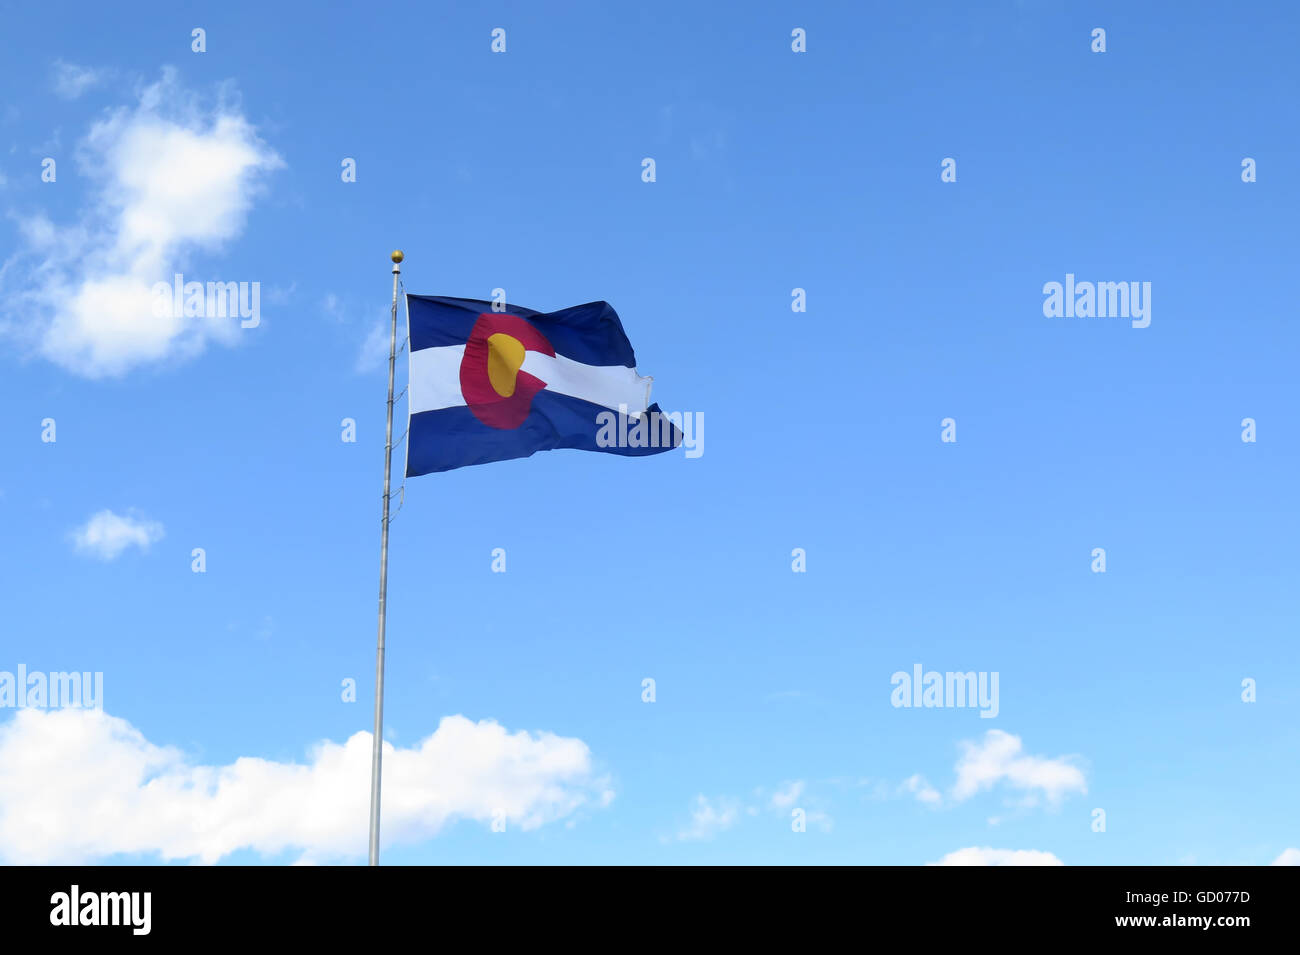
x,y
608,385
435,380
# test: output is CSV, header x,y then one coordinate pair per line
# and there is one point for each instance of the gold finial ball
x,y
397,256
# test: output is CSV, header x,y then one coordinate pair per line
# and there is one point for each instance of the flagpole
x,y
377,750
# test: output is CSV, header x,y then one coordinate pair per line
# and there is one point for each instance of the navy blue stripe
x,y
591,333
453,438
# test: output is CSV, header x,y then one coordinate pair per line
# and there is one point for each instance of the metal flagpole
x,y
378,749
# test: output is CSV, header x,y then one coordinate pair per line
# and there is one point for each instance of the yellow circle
x,y
505,356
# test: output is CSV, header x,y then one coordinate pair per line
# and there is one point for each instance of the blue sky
x,y
775,170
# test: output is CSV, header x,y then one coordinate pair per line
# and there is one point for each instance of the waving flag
x,y
492,385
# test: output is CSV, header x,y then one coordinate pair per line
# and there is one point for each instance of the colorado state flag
x,y
489,386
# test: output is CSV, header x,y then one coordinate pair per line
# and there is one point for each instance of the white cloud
x,y
70,80
169,178
821,820
374,350
107,534
922,790
332,307
785,798
1288,857
986,856
80,785
709,817
1000,759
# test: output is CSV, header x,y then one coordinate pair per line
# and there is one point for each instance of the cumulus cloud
x,y
374,350
169,178
922,790
785,798
1288,857
791,796
709,817
106,535
71,80
712,816
1000,759
986,856
80,785
820,820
